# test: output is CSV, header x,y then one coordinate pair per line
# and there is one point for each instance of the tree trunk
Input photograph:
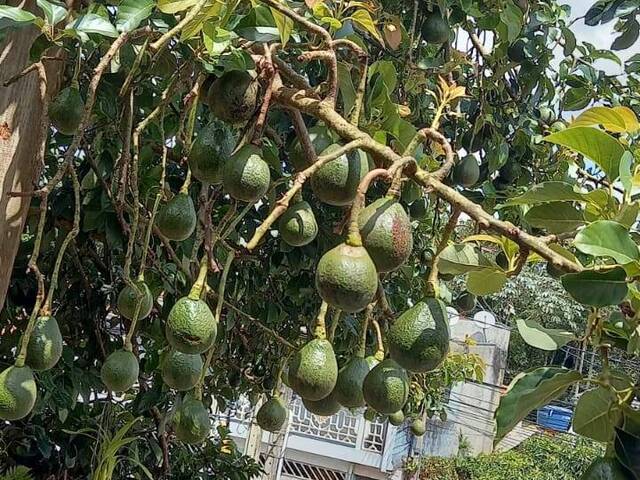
x,y
20,142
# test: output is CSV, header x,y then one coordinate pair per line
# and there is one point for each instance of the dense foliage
x,y
238,193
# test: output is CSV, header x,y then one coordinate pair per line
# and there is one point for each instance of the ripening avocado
x,y
191,326
120,371
246,175
211,148
177,218
272,415
386,387
66,109
419,339
466,172
386,233
348,390
516,51
346,278
546,114
234,97
325,407
45,344
321,138
606,468
435,28
191,422
128,300
18,392
397,418
465,302
298,226
313,370
418,428
181,371
336,182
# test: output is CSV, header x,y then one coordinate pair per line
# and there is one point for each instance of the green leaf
x,y
15,17
576,99
363,19
626,176
131,13
462,258
598,289
556,217
92,23
53,11
547,192
594,416
528,391
607,117
345,84
486,281
627,448
628,37
594,144
605,238
543,338
175,6
285,26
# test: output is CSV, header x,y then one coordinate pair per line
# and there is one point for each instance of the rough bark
x,y
20,119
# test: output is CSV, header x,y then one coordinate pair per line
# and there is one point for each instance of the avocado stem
x,y
335,321
354,239
380,351
128,345
196,290
362,344
320,328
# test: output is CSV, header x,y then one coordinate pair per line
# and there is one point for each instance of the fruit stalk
x,y
362,344
432,279
379,355
133,184
354,238
198,286
335,320
319,327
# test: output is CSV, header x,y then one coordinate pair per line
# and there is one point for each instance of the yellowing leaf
x,y
364,20
630,119
284,24
209,12
175,6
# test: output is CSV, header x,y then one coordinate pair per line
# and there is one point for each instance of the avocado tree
x,y
238,194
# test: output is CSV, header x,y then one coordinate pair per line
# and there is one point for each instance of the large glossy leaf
x,y
462,258
598,289
363,19
555,217
547,192
610,119
285,26
131,13
486,281
530,390
595,415
594,144
92,23
54,12
605,238
627,448
14,16
543,338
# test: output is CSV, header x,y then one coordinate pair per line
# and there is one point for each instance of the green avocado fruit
x,y
177,218
606,469
419,339
212,147
465,302
181,371
191,422
233,97
45,344
321,138
516,51
272,415
418,428
370,414
386,233
127,301
120,371
298,226
435,28
66,109
466,172
397,418
346,278
246,175
325,407
336,182
386,387
191,326
18,392
313,370
348,391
